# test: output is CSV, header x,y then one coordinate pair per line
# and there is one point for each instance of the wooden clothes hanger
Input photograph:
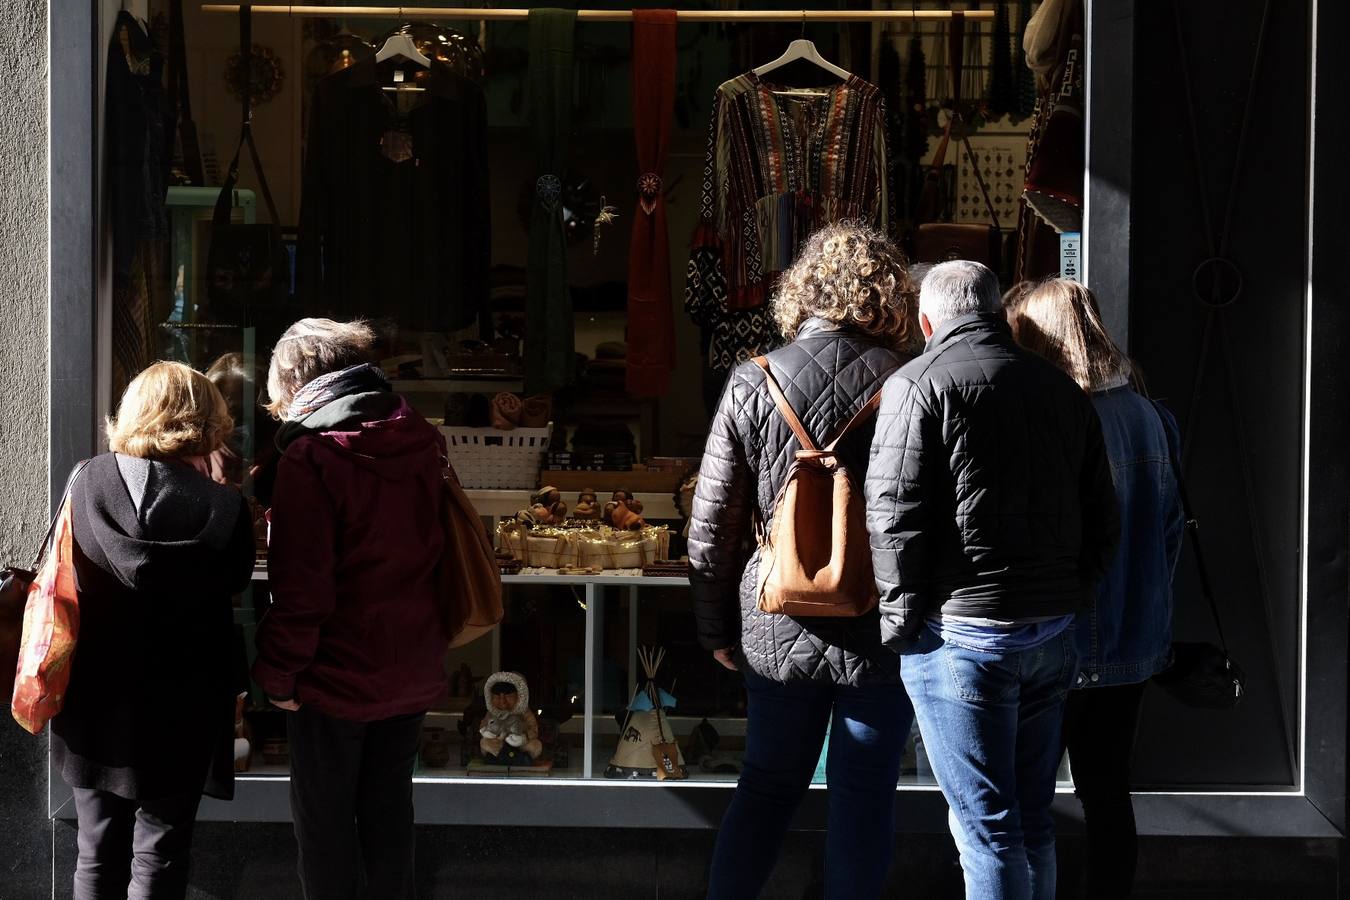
x,y
803,50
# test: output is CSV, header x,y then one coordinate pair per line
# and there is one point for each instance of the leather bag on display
x,y
180,99
935,242
247,264
815,559
471,582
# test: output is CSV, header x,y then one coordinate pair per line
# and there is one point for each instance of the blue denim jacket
x,y
1125,635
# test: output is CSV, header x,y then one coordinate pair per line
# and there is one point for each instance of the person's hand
x,y
727,657
291,705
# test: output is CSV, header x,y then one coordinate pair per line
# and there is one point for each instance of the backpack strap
x,y
868,410
784,407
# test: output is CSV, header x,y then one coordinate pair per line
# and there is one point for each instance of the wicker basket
x,y
490,458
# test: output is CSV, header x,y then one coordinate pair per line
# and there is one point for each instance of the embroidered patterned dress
x,y
779,166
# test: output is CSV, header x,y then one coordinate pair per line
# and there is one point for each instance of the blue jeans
x,y
991,725
785,730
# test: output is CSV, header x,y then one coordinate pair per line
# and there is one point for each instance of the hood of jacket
x,y
377,431
159,524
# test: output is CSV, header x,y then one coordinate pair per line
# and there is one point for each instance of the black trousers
x,y
133,849
351,799
1099,730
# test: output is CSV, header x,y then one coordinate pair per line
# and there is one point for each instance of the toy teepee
x,y
647,747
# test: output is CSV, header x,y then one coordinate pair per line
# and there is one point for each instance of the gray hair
x,y
310,348
958,288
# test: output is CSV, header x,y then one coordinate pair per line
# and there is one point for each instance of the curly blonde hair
x,y
169,411
853,276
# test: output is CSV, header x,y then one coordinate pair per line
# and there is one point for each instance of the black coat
x,y
828,375
150,707
989,492
395,219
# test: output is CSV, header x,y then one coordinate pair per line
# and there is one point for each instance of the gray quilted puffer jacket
x,y
827,375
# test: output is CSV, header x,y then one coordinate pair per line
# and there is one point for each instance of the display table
x,y
594,590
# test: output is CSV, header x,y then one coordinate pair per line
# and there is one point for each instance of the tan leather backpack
x,y
815,559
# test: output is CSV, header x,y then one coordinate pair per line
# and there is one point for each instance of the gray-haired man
x,y
992,514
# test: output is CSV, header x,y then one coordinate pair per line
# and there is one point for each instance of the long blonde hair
x,y
1060,320
169,411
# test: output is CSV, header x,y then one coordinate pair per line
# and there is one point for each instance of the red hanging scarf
x,y
651,323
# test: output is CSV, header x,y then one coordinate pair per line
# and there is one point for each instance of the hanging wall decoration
x,y
264,78
549,355
651,323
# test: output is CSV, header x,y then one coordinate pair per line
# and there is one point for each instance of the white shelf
x,y
601,580
502,504
624,580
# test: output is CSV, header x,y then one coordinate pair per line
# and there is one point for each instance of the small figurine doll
x,y
623,512
510,730
546,508
588,505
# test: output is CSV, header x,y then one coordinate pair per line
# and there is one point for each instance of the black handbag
x,y
247,264
14,584
1200,674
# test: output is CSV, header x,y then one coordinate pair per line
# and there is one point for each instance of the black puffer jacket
x,y
989,490
827,375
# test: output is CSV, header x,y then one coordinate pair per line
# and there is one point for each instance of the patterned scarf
x,y
323,390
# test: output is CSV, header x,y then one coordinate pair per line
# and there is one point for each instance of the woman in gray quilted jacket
x,y
849,309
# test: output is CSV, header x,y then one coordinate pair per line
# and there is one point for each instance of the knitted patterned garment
x,y
778,168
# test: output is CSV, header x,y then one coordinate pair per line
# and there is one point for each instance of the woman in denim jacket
x,y
1125,633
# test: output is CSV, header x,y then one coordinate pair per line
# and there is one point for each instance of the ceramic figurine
x,y
588,506
647,746
546,508
510,730
623,512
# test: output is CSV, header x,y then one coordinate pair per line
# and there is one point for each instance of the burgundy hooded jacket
x,y
356,537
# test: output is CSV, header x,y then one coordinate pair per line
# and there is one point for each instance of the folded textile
x,y
536,411
506,410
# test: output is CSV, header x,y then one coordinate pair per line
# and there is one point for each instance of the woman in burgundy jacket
x,y
352,645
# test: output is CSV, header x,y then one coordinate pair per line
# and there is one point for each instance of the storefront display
x,y
394,197
565,385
